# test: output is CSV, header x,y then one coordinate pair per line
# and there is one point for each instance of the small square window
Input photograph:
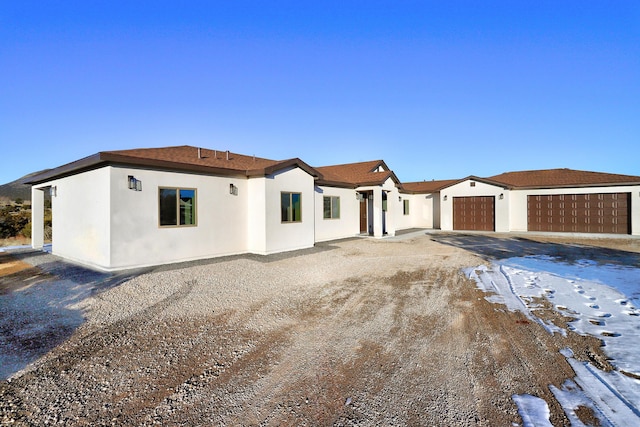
x,y
472,183
331,207
177,207
291,207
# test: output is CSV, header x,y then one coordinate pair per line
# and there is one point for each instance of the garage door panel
x,y
474,213
580,213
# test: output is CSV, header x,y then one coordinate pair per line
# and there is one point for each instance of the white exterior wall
x,y
37,218
80,217
519,203
257,216
421,211
137,238
464,189
347,225
100,222
288,236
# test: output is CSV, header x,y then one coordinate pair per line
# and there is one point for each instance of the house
x,y
132,208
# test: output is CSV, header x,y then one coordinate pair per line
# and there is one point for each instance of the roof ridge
x,y
349,164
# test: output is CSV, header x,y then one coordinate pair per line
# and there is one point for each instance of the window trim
x,y
195,207
331,198
290,214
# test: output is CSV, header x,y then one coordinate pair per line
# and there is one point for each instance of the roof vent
x,y
227,154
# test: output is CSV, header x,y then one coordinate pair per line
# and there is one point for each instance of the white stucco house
x,y
133,208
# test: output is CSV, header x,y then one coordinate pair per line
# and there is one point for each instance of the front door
x,y
363,215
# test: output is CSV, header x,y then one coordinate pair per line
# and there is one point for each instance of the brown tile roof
x,y
562,178
355,174
427,186
183,157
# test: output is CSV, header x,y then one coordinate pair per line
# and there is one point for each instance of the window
x,y
331,207
291,207
405,207
177,207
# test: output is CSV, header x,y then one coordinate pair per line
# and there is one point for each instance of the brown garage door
x,y
580,213
474,213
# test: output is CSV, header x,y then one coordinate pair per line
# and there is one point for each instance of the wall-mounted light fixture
x,y
53,191
134,184
233,190
399,198
445,198
501,196
359,196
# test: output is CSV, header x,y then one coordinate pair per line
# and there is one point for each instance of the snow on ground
x,y
602,298
533,410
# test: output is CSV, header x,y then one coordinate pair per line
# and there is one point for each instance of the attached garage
x,y
475,213
580,213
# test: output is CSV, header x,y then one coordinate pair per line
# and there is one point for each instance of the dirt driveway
x,y
356,332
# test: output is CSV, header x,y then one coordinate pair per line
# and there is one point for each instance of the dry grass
x,y
15,241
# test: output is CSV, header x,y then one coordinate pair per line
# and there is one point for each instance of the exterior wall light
x,y
134,184
233,190
445,198
501,196
399,198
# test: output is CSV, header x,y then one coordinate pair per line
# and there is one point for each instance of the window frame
x,y
331,207
290,214
405,206
195,207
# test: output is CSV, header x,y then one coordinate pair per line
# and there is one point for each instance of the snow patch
x,y
602,300
533,410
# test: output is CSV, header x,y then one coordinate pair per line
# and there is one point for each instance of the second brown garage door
x,y
474,213
580,213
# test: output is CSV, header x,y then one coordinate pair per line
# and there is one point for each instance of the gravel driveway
x,y
354,332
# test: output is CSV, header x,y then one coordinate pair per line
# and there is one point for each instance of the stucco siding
x,y
257,216
347,225
421,211
287,236
80,217
137,237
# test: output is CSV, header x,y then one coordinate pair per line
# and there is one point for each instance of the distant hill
x,y
18,189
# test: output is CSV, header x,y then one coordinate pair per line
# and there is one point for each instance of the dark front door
x,y
363,215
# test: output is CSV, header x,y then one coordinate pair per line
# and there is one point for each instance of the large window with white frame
x,y
331,207
291,207
177,207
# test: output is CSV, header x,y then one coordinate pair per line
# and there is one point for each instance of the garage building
x,y
553,200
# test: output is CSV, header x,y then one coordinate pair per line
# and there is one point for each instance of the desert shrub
x,y
26,230
12,223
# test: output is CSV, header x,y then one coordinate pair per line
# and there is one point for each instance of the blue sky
x,y
437,89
